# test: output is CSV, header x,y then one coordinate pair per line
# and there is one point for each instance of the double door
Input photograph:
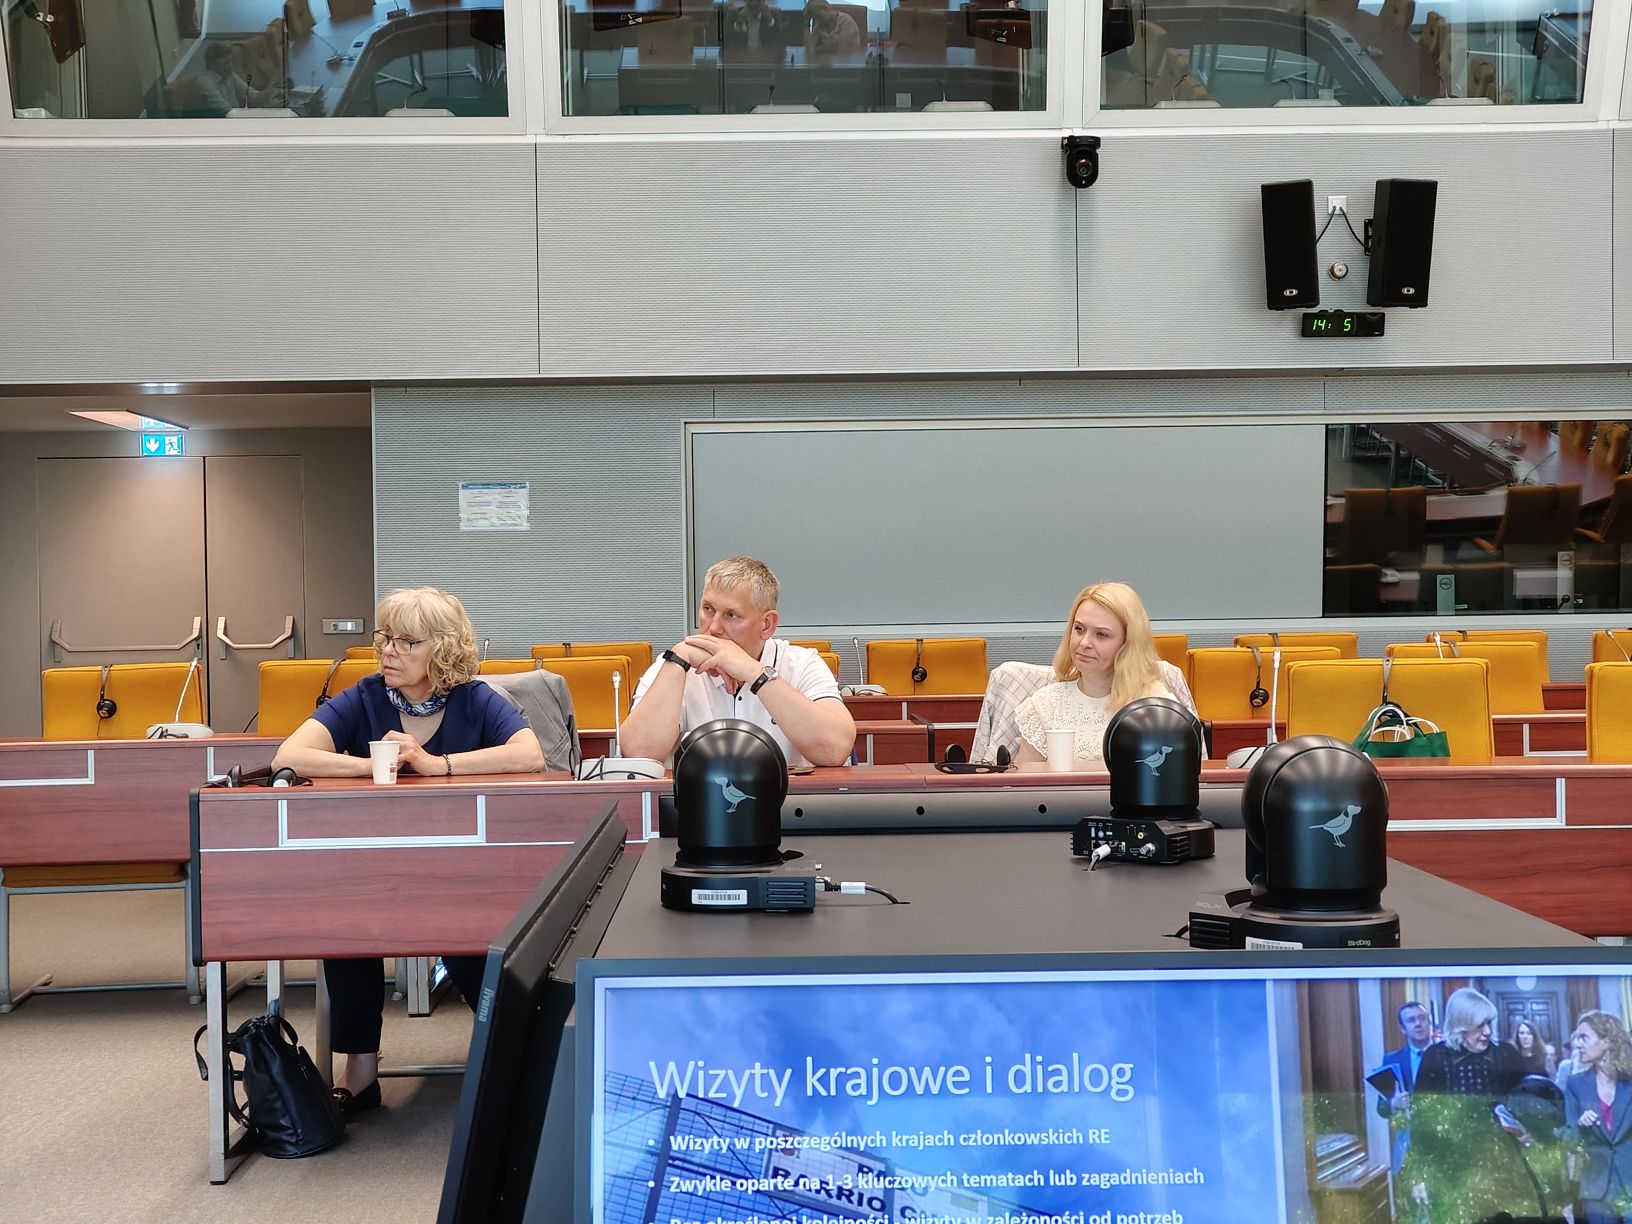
x,y
152,560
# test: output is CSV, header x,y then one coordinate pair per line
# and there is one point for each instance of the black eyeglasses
x,y
403,644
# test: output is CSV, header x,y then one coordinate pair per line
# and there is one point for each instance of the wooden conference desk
x,y
426,867
66,802
72,803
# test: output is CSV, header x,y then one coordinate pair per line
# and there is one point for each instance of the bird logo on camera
x,y
734,795
1339,824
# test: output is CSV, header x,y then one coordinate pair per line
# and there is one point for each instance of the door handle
x,y
288,635
58,644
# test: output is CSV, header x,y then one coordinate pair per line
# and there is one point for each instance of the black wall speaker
x,y
1291,279
1402,242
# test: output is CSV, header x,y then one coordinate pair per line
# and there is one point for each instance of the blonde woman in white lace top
x,y
1105,659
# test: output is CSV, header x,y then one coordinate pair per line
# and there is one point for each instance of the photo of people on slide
x,y
1451,1100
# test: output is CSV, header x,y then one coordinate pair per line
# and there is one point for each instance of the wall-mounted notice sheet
x,y
486,505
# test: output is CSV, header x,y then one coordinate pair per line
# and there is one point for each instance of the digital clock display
x,y
1343,323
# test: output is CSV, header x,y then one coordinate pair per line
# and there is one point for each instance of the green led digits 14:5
x,y
1343,323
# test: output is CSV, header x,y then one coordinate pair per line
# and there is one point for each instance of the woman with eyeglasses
x,y
426,698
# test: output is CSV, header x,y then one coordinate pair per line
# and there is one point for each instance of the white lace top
x,y
1063,705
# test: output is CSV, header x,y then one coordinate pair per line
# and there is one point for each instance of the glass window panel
x,y
694,57
193,59
1231,53
1458,517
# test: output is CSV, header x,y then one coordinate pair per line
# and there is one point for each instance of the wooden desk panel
x,y
108,801
953,708
346,868
364,902
1574,878
1528,734
1564,695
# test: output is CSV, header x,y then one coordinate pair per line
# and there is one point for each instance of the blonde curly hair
x,y
436,617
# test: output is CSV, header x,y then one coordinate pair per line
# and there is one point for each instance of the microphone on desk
x,y
482,658
614,764
175,728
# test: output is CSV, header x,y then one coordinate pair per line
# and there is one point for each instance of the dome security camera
x,y
1081,160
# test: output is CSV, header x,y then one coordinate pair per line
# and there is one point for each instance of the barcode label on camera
x,y
1255,943
719,896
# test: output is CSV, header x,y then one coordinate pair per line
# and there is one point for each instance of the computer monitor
x,y
1232,1088
527,994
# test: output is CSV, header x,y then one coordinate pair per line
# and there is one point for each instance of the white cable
x,y
187,680
1274,692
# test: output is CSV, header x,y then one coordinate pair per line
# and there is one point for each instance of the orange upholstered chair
x,y
950,665
1222,678
589,679
1175,649
1348,644
144,694
1517,671
1333,697
639,654
1609,712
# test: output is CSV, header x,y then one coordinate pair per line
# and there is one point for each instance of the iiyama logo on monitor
x,y
732,794
1339,824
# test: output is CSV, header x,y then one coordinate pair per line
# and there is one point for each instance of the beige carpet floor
x,y
103,1115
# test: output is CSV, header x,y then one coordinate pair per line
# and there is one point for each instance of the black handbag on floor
x,y
289,1107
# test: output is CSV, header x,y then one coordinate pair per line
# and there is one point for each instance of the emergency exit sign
x,y
154,446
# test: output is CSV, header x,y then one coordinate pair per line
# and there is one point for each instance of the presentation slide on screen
x,y
1137,1098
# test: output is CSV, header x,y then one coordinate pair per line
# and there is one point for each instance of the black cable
x,y
1365,246
1328,224
829,884
250,723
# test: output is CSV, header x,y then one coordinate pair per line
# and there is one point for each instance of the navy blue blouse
x,y
476,716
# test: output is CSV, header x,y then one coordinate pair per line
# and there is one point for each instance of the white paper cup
x,y
382,755
1062,750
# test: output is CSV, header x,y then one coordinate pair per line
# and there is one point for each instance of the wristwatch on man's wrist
x,y
765,677
670,656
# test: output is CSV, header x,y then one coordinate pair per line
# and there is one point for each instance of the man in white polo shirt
x,y
735,667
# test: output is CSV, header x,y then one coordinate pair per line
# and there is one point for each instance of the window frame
x,y
1063,86
1606,93
522,116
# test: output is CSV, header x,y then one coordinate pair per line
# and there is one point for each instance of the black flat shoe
x,y
353,1103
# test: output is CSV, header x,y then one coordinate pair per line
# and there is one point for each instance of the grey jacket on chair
x,y
546,704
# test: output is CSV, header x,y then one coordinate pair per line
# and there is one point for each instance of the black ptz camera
x,y
1081,160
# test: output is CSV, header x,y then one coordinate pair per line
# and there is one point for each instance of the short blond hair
x,y
434,616
1135,673
1465,1011
734,572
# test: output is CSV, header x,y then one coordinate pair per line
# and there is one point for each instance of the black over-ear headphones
x,y
324,695
106,707
957,761
919,675
1259,697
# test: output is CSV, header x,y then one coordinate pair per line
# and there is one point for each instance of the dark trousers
x,y
357,997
